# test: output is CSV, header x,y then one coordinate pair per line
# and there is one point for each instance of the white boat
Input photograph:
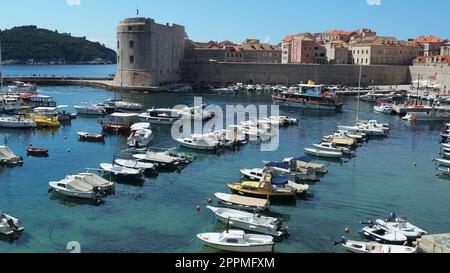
x,y
382,235
198,113
385,108
433,115
62,115
134,164
120,171
10,226
443,162
255,174
8,157
90,109
376,248
200,142
238,241
300,175
101,184
21,87
76,188
253,222
16,122
140,136
160,116
322,153
367,129
329,147
403,226
242,202
162,160
120,105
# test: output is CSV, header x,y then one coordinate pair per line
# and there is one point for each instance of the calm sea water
x,y
160,215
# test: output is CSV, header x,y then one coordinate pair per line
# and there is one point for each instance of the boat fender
x,y
198,208
347,230
209,200
98,201
50,190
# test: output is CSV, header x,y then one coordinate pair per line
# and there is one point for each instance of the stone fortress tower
x,y
148,54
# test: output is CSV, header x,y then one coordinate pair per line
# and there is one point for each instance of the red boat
x,y
119,122
37,152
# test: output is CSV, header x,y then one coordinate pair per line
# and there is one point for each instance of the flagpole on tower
x,y
137,11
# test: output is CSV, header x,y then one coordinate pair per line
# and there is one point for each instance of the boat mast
x,y
121,74
359,93
1,69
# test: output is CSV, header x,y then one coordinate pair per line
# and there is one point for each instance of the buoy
x,y
198,208
209,200
65,138
415,163
68,150
347,230
433,159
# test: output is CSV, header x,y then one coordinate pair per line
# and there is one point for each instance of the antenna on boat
x,y
227,228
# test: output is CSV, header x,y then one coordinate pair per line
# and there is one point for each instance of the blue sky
x,y
234,20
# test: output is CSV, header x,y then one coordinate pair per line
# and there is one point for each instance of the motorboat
x,y
384,108
10,226
10,104
402,225
33,101
359,137
90,109
119,123
241,202
255,174
375,248
22,87
383,235
140,136
161,116
283,120
123,106
370,130
38,152
205,142
62,115
330,147
202,113
322,153
99,183
147,168
238,241
46,122
77,188
253,222
8,157
17,122
433,115
162,160
83,136
302,164
299,175
273,187
122,172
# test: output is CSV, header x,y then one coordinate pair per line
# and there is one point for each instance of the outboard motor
x,y
392,217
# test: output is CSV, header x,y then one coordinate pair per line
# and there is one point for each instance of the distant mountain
x,y
32,45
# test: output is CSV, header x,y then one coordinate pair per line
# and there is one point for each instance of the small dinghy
x,y
238,241
147,168
91,137
102,185
322,153
375,248
10,226
37,152
330,148
122,172
242,202
140,136
382,235
249,221
402,225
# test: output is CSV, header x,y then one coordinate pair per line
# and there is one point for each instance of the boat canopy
x,y
278,165
279,180
242,200
140,126
306,159
6,153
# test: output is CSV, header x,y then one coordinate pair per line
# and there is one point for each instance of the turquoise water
x,y
160,215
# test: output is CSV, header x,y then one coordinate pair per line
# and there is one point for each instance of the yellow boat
x,y
46,122
269,188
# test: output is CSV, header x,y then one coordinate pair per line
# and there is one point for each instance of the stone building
x,y
445,49
432,61
384,51
337,53
149,54
336,35
429,45
303,48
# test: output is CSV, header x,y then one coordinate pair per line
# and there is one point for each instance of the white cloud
x,y
73,2
266,39
374,2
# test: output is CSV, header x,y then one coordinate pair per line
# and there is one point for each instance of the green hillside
x,y
29,44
